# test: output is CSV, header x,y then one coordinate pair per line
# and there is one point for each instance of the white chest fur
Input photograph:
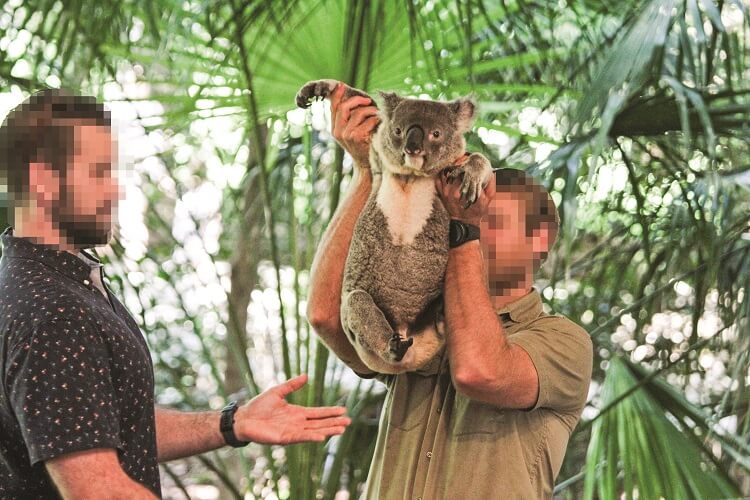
x,y
406,206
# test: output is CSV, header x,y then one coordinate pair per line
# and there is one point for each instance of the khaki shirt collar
x,y
523,309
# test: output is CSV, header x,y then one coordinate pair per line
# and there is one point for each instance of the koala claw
x,y
317,89
399,346
470,189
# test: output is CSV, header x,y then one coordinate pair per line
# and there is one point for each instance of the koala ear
x,y
390,101
464,109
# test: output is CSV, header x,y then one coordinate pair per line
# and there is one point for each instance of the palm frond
x,y
636,449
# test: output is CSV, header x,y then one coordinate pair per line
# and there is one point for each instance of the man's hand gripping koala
x,y
394,272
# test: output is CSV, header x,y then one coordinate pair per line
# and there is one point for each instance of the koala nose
x,y
414,139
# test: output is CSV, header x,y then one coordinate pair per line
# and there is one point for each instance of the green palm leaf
x,y
638,449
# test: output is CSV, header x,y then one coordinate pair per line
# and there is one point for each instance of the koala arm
x,y
327,275
484,365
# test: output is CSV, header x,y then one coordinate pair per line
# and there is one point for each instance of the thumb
x,y
489,189
291,385
336,97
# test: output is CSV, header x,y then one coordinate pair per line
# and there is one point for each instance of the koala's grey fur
x,y
393,279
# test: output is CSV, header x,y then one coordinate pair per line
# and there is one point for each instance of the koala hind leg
x,y
367,327
430,339
322,89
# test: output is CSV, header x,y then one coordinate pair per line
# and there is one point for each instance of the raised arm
x,y
484,365
353,122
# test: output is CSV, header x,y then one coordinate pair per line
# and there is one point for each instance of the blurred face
x,y
89,190
508,253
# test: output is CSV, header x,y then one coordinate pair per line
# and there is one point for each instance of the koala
x,y
394,272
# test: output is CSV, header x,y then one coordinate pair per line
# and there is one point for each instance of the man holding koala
x,y
492,416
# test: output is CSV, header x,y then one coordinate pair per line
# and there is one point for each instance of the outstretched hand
x,y
269,419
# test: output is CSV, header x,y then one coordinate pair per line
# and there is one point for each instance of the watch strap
x,y
226,426
461,232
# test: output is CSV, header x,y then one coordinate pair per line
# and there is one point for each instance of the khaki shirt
x,y
434,443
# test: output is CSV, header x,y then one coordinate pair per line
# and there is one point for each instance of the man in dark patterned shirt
x,y
77,414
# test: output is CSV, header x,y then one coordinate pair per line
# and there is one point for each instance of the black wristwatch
x,y
226,426
460,232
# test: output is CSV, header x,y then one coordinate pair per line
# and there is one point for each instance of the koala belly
x,y
399,250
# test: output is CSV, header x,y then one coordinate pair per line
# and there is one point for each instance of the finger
x,y
328,422
314,434
305,437
454,188
347,106
358,115
443,186
440,185
330,431
489,189
341,120
363,132
356,131
370,124
336,96
324,411
291,385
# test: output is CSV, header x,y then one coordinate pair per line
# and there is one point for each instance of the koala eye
x,y
435,134
397,131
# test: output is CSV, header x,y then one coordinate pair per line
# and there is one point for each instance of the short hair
x,y
42,129
539,207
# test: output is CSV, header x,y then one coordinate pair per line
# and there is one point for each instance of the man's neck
x,y
33,224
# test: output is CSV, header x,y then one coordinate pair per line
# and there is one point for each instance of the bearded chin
x,y
86,234
509,279
83,231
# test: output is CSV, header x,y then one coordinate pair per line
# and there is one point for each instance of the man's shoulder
x,y
32,296
559,323
20,277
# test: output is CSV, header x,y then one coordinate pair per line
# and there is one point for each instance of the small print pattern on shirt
x,y
76,372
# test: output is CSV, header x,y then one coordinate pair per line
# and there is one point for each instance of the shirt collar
x,y
523,309
89,259
61,261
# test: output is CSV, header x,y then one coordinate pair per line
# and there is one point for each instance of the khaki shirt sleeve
x,y
562,354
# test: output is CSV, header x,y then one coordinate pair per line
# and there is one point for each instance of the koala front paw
x,y
474,175
317,89
398,346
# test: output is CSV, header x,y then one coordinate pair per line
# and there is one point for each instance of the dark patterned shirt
x,y
76,372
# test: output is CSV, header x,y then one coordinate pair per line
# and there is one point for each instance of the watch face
x,y
456,232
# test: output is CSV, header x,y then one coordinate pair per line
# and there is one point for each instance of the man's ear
x,y
540,239
390,101
464,110
44,183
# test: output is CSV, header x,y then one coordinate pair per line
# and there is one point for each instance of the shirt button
x,y
429,454
86,282
439,409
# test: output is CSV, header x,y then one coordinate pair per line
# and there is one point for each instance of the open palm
x,y
269,419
